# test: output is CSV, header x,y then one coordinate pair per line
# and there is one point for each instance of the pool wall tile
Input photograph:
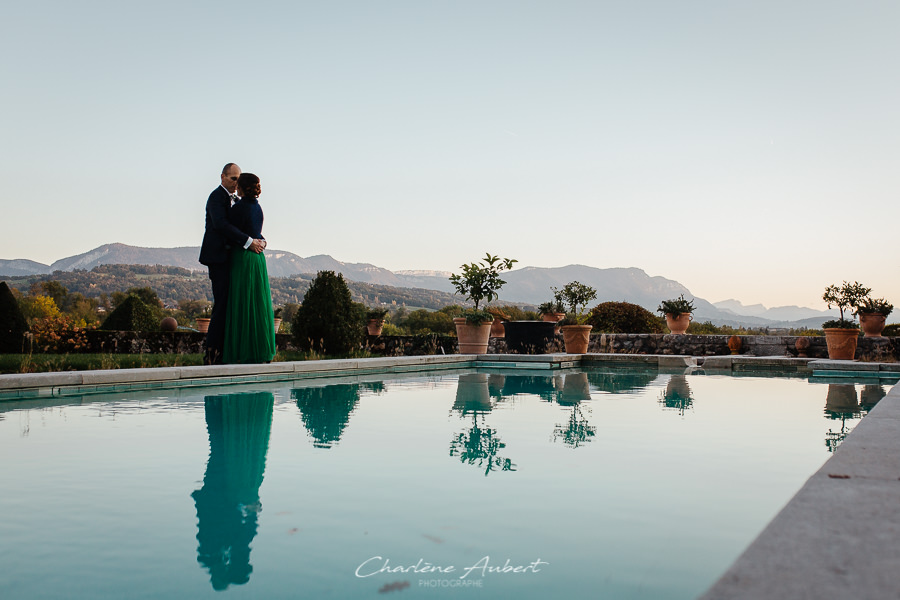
x,y
718,363
842,365
648,360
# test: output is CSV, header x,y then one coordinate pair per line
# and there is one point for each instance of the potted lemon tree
x,y
841,334
576,333
478,282
678,313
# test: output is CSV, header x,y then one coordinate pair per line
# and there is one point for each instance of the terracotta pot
x,y
497,329
678,324
277,322
872,324
553,318
841,343
734,344
203,324
374,326
802,345
473,339
677,388
577,338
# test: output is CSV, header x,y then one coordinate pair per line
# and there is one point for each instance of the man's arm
x,y
217,209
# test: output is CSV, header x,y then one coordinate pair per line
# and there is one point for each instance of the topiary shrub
x,y
328,321
12,322
131,315
624,317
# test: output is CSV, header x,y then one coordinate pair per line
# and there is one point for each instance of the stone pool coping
x,y
838,537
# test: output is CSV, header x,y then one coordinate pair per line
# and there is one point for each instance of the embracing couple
x,y
242,328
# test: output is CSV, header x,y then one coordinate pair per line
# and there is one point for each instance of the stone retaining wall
x,y
884,349
155,342
877,349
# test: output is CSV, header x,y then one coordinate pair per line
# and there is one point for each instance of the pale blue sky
x,y
727,145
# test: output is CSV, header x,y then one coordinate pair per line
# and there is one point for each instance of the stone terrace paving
x,y
838,537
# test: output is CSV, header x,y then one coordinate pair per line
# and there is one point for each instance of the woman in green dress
x,y
249,326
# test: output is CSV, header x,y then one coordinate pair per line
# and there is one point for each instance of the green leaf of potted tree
x,y
678,313
841,334
872,315
478,282
375,320
576,334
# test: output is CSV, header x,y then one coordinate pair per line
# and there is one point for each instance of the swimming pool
x,y
482,483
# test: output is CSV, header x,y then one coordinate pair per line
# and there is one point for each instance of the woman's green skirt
x,y
249,325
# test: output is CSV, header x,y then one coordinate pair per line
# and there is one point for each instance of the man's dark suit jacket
x,y
220,234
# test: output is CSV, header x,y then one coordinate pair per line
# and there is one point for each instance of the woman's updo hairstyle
x,y
249,184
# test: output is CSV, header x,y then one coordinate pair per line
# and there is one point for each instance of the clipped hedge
x,y
13,325
624,317
131,315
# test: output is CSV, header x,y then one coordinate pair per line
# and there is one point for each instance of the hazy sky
x,y
747,149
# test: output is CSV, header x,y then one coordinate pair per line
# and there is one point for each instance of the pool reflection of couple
x,y
228,504
242,327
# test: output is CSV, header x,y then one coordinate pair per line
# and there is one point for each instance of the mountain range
x,y
528,285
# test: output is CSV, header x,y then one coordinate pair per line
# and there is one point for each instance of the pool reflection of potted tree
x,y
228,504
578,431
478,445
677,394
840,404
870,395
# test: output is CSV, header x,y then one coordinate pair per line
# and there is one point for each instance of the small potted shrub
x,y
277,318
553,311
375,320
678,313
841,334
576,333
204,319
477,282
873,313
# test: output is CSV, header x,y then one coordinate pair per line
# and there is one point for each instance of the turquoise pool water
x,y
587,484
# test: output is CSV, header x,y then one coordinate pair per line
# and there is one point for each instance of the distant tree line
x,y
174,285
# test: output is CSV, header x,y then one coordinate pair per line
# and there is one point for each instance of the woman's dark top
x,y
247,215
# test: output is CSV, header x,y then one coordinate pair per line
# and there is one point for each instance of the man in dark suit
x,y
221,235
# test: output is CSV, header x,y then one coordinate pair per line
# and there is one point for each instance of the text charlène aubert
x,y
377,565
